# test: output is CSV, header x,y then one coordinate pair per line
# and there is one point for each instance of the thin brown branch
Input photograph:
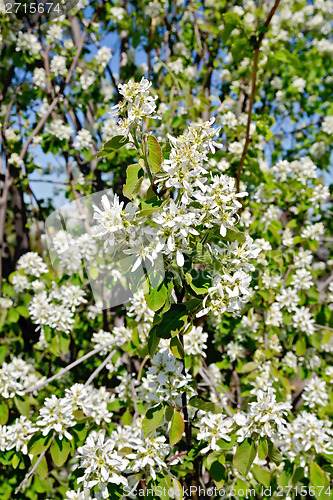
x,y
69,367
55,101
253,92
32,471
100,367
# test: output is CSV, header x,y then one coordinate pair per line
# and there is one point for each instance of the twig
x,y
188,432
325,283
69,367
182,453
323,327
253,92
136,411
55,101
238,389
213,388
25,480
100,367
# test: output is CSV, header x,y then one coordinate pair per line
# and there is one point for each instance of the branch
x,y
100,367
206,378
55,101
253,92
25,480
69,367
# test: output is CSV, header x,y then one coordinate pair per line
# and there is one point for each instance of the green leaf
x,y
227,445
177,348
134,178
4,413
274,453
228,29
215,455
39,443
23,404
248,367
42,469
218,472
13,315
15,461
301,347
176,429
63,342
198,280
154,156
156,297
234,234
261,475
285,476
169,411
153,419
127,418
117,142
319,480
202,255
262,448
204,405
150,206
93,272
60,450
153,341
172,322
244,456
23,311
80,430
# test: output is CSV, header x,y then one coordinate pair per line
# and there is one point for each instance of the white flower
x,y
32,263
313,231
290,361
58,65
20,282
315,393
54,33
287,238
274,315
302,279
16,377
195,341
101,463
28,42
137,102
327,124
15,160
56,414
114,220
303,258
303,320
288,298
212,428
176,66
235,351
299,84
17,435
59,130
39,77
236,148
83,139
149,456
103,56
265,417
109,129
87,79
306,435
5,302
